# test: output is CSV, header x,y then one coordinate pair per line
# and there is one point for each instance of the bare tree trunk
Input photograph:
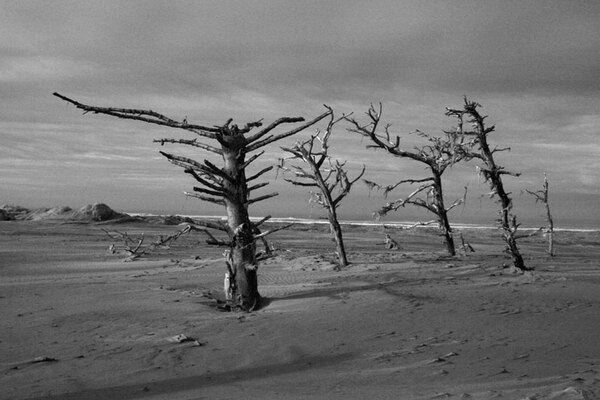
x,y
243,245
508,222
336,232
550,228
542,196
511,242
448,238
442,213
244,268
550,234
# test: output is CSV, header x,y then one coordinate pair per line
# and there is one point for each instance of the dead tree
x,y
327,175
478,148
228,185
541,196
438,154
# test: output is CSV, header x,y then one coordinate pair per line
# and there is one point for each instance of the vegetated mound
x,y
10,213
4,215
48,213
96,212
91,213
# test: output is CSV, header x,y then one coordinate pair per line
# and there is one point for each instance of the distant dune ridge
x,y
90,213
98,212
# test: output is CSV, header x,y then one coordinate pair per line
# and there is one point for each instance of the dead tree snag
x,y
227,185
438,154
327,175
478,148
541,196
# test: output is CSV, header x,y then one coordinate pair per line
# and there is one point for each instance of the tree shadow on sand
x,y
197,382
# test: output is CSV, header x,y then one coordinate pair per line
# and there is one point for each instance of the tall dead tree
x,y
541,196
227,185
437,155
327,175
478,148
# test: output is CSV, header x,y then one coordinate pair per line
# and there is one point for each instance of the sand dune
x,y
78,323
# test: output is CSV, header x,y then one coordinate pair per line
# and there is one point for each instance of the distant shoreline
x,y
100,212
395,224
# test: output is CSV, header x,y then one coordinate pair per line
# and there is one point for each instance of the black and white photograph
x,y
310,199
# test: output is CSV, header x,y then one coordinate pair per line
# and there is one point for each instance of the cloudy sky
x,y
533,65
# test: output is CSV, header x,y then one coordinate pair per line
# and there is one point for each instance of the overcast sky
x,y
533,65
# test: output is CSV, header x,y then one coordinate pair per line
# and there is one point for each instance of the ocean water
x,y
462,223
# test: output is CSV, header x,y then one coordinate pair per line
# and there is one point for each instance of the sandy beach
x,y
412,323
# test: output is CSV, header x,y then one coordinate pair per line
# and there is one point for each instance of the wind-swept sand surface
x,y
79,323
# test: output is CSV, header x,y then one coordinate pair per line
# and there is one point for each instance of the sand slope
x,y
78,323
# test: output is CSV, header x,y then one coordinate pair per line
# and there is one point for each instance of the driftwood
x,y
390,243
134,246
465,247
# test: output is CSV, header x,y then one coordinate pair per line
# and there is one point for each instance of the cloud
x,y
27,69
106,157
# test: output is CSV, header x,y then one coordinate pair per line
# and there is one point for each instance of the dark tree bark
x,y
480,149
439,154
325,174
227,185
